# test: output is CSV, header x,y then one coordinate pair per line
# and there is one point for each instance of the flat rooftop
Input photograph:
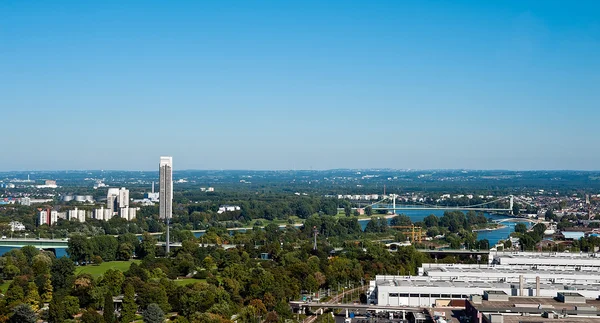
x,y
546,304
539,319
421,281
512,271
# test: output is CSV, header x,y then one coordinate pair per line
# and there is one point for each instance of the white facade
x,y
555,260
48,217
16,226
128,213
228,208
166,187
153,197
77,215
103,214
424,292
525,274
25,201
123,198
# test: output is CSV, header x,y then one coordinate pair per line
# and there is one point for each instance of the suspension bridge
x,y
389,203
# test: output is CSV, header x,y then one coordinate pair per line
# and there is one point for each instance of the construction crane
x,y
416,232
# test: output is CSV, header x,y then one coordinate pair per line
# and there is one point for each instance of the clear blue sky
x,y
300,84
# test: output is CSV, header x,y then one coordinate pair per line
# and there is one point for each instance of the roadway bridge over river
x,y
53,244
482,207
38,243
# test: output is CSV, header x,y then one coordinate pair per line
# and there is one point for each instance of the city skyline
x,y
300,85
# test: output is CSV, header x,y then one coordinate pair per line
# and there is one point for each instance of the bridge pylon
x,y
511,204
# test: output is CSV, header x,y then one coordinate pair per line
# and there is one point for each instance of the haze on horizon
x,y
300,85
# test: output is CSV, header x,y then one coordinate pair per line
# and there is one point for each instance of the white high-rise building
x,y
166,187
128,213
103,214
48,217
123,198
76,214
112,198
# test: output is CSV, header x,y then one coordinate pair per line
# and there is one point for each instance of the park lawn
x,y
4,287
188,281
99,270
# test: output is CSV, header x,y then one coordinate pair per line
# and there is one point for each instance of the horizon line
x,y
312,170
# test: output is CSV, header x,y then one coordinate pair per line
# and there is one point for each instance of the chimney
x,y
521,283
537,286
152,186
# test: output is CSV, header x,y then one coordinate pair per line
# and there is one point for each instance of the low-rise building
x,y
228,208
16,226
570,307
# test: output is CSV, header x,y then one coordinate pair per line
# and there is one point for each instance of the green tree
x,y
41,264
520,227
401,219
431,221
80,248
91,316
62,272
550,216
129,305
153,314
30,252
369,211
113,279
105,246
348,210
10,271
23,313
71,305
147,247
57,312
15,294
97,260
47,289
109,308
125,251
33,297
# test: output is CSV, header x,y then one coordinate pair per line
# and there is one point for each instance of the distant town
x,y
348,244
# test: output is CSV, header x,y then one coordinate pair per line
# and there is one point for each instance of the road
x,y
333,300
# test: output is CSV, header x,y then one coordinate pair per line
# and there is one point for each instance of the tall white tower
x,y
166,187
166,194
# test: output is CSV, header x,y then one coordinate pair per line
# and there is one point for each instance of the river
x,y
492,236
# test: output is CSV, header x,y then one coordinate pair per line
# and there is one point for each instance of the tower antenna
x,y
315,232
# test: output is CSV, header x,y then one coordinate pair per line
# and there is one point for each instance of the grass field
x,y
187,281
4,287
99,270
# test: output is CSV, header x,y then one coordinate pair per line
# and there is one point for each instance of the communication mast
x,y
315,232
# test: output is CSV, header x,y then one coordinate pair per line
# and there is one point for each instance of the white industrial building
x,y
546,261
437,284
